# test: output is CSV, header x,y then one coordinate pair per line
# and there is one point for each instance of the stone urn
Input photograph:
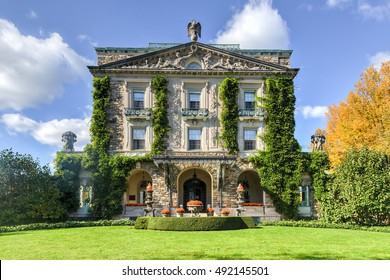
x,y
194,206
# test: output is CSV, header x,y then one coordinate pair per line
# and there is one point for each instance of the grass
x,y
124,242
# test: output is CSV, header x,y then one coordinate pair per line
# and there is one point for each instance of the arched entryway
x,y
195,184
137,182
250,180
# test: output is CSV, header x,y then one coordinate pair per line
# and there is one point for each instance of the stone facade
x,y
195,165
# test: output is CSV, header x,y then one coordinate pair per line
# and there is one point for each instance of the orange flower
x,y
194,202
180,210
165,211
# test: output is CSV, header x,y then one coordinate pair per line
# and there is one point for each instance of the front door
x,y
194,189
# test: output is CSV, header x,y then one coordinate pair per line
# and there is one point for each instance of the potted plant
x,y
195,206
210,212
166,213
225,212
180,212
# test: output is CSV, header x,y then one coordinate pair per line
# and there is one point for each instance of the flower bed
x,y
135,204
252,204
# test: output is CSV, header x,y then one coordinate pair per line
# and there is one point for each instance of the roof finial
x,y
194,30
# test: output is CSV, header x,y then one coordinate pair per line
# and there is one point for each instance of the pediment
x,y
194,56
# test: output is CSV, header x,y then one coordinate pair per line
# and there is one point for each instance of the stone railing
x,y
200,113
257,113
138,113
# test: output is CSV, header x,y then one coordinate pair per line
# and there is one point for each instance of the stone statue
x,y
69,138
194,30
317,142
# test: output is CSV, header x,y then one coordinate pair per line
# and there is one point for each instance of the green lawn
x,y
124,242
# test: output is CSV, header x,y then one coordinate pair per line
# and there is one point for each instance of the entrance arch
x,y
195,184
137,182
250,180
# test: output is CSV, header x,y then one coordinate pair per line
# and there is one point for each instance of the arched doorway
x,y
250,180
194,184
137,182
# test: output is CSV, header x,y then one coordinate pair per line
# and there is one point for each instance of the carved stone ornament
x,y
195,58
69,138
194,30
317,142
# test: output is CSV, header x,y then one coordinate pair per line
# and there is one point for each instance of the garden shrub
x,y
141,223
197,223
68,224
320,224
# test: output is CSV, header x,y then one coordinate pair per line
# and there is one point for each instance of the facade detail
x,y
194,165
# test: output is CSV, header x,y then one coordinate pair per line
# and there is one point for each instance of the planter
x,y
195,209
225,214
179,214
210,214
166,215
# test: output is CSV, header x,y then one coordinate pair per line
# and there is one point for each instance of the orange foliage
x,y
364,119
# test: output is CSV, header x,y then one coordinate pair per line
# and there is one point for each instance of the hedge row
x,y
194,223
68,224
318,224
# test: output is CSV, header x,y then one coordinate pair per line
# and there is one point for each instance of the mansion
x,y
194,164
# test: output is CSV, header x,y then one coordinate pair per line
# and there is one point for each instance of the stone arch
x,y
250,180
137,181
194,183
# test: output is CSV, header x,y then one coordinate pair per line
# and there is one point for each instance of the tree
x,y
359,191
27,190
364,119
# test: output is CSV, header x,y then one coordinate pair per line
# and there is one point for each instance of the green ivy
x,y
228,92
160,115
280,166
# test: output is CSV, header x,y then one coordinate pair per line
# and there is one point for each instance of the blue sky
x,y
45,47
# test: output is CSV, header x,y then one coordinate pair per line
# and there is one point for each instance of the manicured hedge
x,y
194,223
318,224
68,224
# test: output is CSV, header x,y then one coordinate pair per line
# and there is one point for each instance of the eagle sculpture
x,y
194,30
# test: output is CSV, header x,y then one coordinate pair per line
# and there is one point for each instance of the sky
x,y
46,46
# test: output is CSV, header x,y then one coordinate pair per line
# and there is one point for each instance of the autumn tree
x,y
364,118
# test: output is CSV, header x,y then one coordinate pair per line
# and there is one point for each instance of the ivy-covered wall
x,y
280,165
228,93
160,115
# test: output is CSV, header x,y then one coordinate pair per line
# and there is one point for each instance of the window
x,y
139,138
249,99
304,192
249,139
138,99
194,99
194,136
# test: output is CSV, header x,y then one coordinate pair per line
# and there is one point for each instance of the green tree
x,y
359,191
67,172
27,190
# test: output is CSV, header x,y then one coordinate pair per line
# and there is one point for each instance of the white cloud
x,y
338,3
257,25
377,59
48,133
33,70
312,112
32,14
83,38
378,12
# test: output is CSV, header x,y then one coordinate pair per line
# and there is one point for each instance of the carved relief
x,y
208,60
